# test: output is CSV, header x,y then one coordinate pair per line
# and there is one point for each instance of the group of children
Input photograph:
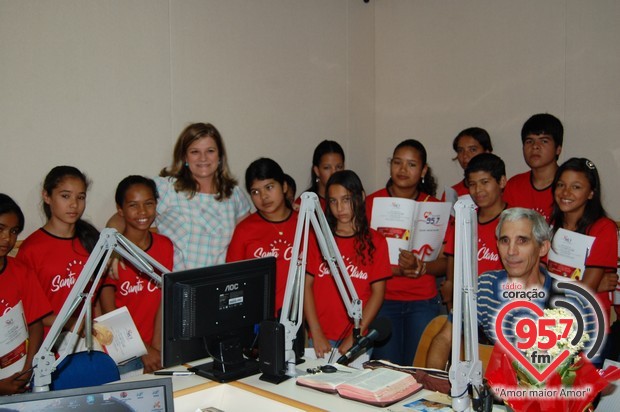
x,y
203,218
50,260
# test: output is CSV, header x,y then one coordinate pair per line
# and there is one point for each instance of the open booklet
x,y
116,335
378,387
431,379
568,254
13,341
416,226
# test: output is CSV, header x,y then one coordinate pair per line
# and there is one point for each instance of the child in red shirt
x,y
364,252
136,202
58,251
542,136
468,144
327,159
18,291
485,177
270,231
411,297
578,207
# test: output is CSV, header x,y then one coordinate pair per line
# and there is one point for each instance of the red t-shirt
x,y
488,255
17,283
460,188
330,308
520,192
138,292
604,253
256,237
402,288
57,263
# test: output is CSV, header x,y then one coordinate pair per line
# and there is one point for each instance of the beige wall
x,y
84,83
107,85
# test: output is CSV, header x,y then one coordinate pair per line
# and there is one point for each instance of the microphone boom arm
x,y
468,371
83,290
311,213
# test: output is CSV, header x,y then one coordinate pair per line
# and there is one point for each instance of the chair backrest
x,y
484,354
429,333
484,351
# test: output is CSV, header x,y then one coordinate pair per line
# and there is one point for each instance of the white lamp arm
x,y
468,371
110,240
311,213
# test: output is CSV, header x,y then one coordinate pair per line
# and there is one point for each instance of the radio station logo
x,y
545,342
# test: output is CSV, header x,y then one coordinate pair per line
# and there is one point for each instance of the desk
x,y
235,396
192,392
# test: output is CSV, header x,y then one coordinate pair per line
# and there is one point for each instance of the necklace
x,y
280,233
275,225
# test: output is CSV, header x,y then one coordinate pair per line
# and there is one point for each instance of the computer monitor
x,y
215,312
143,395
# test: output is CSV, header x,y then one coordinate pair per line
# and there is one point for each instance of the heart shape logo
x,y
540,375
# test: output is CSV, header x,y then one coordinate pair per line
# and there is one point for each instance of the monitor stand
x,y
221,373
229,364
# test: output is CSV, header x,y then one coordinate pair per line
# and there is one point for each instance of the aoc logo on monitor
x,y
231,287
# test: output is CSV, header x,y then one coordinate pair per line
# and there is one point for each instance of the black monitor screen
x,y
145,395
215,312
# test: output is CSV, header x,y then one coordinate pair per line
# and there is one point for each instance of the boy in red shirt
x,y
485,177
542,136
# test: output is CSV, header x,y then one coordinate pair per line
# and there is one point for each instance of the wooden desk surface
x,y
189,391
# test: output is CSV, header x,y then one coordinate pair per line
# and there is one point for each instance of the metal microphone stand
x,y
464,373
110,240
310,212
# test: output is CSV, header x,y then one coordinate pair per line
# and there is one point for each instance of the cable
x,y
341,338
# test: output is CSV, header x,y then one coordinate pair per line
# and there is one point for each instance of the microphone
x,y
379,329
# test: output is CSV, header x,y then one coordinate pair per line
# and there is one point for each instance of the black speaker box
x,y
271,358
